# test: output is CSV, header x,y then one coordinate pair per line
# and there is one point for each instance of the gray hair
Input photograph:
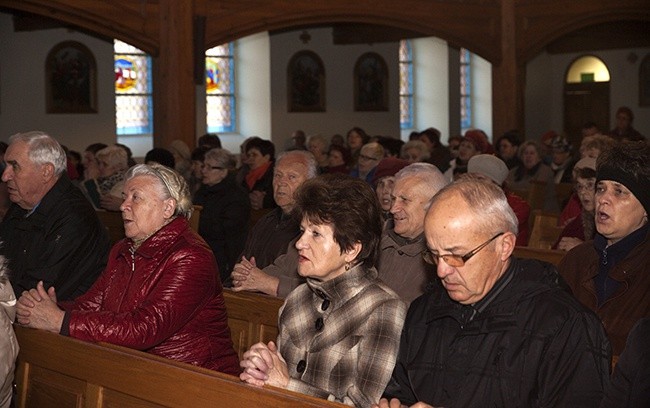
x,y
524,145
116,156
319,139
170,185
486,200
307,159
431,179
419,146
43,149
223,158
373,148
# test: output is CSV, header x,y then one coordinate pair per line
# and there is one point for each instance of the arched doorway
x,y
586,96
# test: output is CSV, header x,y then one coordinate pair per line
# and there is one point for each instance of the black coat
x,y
529,344
62,243
224,221
630,386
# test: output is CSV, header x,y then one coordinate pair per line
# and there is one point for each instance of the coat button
x,y
325,305
319,324
302,364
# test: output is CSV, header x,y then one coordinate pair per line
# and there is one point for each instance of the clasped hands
x,y
263,365
247,276
37,308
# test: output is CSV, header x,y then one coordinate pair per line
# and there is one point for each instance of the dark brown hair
x,y
351,208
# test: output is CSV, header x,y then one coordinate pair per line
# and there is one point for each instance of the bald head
x,y
472,220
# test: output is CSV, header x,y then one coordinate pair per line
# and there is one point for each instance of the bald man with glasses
x,y
494,330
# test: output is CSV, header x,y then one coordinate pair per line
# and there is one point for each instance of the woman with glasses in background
x,y
369,157
226,209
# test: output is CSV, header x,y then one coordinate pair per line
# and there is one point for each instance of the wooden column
x,y
173,77
508,78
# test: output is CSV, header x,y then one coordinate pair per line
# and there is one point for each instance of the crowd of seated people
x,y
350,245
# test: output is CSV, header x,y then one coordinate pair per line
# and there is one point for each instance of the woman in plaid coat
x,y
339,332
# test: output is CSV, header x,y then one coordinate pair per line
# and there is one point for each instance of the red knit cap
x,y
388,167
478,138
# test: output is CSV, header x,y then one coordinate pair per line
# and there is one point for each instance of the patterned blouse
x,y
340,337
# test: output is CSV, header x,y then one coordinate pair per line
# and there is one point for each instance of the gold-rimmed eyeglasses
x,y
456,260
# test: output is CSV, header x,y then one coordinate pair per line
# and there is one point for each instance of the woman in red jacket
x,y
160,291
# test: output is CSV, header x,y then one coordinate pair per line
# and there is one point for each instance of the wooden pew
x,y
544,231
548,255
252,318
113,222
61,372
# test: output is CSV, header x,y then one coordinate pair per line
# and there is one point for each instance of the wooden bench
x,y
548,255
252,318
544,231
57,371
113,222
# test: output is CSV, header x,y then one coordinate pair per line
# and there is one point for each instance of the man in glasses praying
x,y
494,330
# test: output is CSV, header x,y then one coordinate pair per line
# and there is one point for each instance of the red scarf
x,y
254,175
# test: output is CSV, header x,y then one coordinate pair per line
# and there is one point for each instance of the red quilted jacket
x,y
164,299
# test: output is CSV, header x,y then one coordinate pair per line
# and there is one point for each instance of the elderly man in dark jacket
x,y
494,331
400,264
51,232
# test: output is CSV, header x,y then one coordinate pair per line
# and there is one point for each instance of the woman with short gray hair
x,y
159,292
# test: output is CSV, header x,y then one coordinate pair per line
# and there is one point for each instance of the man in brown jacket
x,y
400,264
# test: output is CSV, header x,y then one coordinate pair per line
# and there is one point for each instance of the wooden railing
x,y
252,318
60,372
548,255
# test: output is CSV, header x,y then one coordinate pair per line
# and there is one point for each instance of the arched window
x,y
133,100
587,69
405,85
220,88
465,89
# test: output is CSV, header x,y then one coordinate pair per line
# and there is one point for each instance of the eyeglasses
x,y
205,166
364,157
456,260
590,186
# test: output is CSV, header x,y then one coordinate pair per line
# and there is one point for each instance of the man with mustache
x,y
274,234
494,330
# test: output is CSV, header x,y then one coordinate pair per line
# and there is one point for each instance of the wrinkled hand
x,y
568,243
246,276
257,199
395,403
110,202
263,364
37,308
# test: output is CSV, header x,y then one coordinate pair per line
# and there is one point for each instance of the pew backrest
x,y
548,255
58,371
252,318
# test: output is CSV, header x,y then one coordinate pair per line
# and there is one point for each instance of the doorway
x,y
586,97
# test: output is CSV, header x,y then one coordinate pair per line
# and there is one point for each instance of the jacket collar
x,y
160,241
522,279
343,287
50,199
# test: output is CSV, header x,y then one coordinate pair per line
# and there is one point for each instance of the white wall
x,y
482,95
545,87
339,61
430,78
22,87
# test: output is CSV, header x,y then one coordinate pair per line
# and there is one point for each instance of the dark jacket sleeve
x,y
576,369
630,385
399,385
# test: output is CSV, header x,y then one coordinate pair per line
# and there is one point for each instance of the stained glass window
x,y
220,88
405,85
465,89
133,100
